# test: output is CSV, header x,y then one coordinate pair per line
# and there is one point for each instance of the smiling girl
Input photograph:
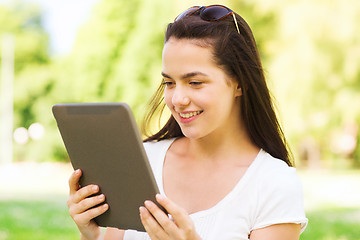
x,y
221,161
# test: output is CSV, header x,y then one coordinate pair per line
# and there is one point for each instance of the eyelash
x,y
166,83
171,83
195,83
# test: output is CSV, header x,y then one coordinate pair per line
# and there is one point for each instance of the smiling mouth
x,y
190,114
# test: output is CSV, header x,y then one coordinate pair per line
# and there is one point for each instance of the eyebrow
x,y
186,75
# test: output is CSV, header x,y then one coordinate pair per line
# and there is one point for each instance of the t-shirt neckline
x,y
239,185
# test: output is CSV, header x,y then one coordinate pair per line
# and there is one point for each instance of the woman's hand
x,y
80,207
160,227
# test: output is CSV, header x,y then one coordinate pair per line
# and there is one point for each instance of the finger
x,y
164,221
180,216
86,204
85,192
86,216
151,226
74,181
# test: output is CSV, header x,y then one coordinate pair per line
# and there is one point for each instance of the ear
x,y
238,91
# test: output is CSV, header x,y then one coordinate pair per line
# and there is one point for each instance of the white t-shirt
x,y
269,193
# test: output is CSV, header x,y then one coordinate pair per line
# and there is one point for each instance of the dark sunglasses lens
x,y
187,12
214,13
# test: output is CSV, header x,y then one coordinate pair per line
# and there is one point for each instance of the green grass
x,y
35,220
333,224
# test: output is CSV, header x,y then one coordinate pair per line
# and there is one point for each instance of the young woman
x,y
221,161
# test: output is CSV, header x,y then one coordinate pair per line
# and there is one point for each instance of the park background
x,y
311,55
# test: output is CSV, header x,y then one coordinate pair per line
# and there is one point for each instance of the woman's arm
x,y
285,231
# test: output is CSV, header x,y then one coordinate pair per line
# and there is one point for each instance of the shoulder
x,y
279,195
272,162
277,181
154,147
156,150
275,169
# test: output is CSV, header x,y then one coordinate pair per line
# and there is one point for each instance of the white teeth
x,y
189,115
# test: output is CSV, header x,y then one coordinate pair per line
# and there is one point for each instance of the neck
x,y
222,145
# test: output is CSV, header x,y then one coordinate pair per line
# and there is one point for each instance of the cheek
x,y
167,98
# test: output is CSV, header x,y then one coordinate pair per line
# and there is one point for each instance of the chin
x,y
192,134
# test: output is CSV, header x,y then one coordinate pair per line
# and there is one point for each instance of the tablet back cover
x,y
103,140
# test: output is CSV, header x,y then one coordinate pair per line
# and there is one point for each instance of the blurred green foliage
x,y
310,52
332,224
315,73
40,220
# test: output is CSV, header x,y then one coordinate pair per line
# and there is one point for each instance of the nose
x,y
180,97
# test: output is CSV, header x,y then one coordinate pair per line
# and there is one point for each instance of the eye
x,y
168,83
195,83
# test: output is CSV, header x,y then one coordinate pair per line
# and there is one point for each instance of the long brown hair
x,y
238,56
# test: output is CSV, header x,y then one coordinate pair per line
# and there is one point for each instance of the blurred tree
x,y
23,20
33,79
117,54
315,69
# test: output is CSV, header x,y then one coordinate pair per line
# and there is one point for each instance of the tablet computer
x,y
103,140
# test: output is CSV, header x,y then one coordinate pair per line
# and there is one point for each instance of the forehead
x,y
176,44
182,57
187,53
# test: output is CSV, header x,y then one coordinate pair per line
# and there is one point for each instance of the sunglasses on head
x,y
211,13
